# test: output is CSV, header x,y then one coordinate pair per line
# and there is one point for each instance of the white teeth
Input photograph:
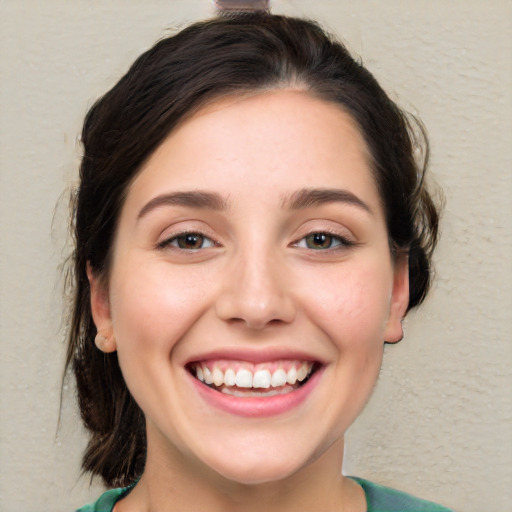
x,y
291,376
217,376
207,374
278,378
229,377
243,379
262,379
302,372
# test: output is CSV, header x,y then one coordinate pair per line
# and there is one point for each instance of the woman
x,y
251,227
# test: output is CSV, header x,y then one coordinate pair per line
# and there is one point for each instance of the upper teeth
x,y
247,377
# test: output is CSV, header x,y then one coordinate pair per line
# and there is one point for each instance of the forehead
x,y
279,140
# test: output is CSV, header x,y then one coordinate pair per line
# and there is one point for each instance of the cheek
x,y
352,300
154,307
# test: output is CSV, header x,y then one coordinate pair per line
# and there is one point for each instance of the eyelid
x,y
345,242
167,241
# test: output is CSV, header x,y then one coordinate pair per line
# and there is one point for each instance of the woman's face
x,y
252,287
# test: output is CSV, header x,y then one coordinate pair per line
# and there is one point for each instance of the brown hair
x,y
177,76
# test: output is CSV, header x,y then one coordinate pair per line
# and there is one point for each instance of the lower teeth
x,y
241,392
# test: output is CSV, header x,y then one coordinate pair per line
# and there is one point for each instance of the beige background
x,y
439,424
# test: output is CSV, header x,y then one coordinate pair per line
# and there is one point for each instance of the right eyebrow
x,y
190,199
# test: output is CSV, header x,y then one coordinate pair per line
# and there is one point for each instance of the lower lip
x,y
257,406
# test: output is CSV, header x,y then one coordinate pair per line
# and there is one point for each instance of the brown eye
x,y
322,241
188,242
319,241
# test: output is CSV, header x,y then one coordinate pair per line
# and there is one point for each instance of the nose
x,y
256,293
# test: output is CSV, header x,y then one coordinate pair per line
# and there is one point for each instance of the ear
x,y
399,300
100,309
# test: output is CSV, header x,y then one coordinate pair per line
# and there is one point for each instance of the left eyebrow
x,y
310,197
189,199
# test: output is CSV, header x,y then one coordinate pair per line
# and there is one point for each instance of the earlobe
x,y
100,310
399,300
105,341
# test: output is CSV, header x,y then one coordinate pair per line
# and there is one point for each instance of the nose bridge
x,y
256,292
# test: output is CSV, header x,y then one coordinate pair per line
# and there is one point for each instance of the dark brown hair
x,y
180,74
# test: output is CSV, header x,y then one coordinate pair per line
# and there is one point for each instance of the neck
x,y
175,484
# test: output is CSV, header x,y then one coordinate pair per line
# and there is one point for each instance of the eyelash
x,y
174,241
339,241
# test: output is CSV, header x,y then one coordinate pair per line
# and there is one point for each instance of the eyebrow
x,y
190,199
310,197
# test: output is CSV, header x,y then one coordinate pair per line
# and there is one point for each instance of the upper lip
x,y
255,355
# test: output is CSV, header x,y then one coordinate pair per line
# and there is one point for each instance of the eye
x,y
188,241
321,241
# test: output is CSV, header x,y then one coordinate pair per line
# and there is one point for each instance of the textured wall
x,y
439,423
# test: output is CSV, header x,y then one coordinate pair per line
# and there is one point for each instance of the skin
x,y
254,285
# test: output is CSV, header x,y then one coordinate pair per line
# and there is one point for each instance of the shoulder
x,y
106,501
378,497
385,499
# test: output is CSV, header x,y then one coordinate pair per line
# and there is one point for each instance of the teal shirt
x,y
378,499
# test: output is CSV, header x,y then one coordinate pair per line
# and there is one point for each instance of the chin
x,y
260,468
260,475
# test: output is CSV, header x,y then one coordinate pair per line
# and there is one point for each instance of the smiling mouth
x,y
243,379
